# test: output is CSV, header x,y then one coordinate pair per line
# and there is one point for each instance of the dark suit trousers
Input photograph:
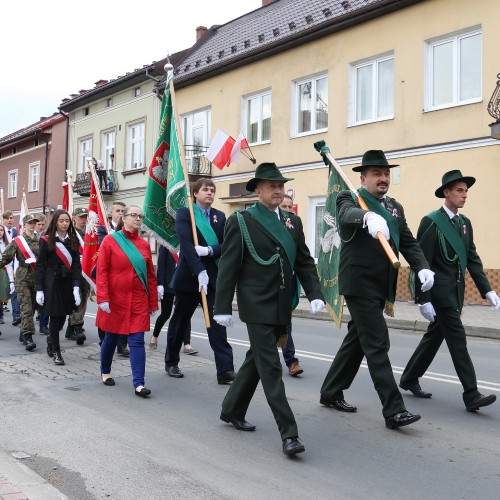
x,y
262,362
367,336
447,326
185,306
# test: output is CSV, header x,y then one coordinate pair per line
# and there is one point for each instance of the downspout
x,y
67,145
44,201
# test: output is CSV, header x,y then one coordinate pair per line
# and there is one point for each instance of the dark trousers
x,y
262,362
16,308
44,321
367,336
55,325
185,306
101,174
289,350
121,342
447,326
166,305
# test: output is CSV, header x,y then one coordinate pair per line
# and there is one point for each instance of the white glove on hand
x,y
494,299
76,295
203,281
224,319
427,311
426,277
376,223
161,291
12,288
31,260
317,306
40,298
201,251
153,313
104,306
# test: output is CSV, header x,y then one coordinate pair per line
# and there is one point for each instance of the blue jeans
x,y
137,355
16,309
44,321
289,350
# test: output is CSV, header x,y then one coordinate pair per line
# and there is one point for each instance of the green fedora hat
x,y
373,158
266,172
451,177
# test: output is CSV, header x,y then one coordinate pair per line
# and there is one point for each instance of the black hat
x,y
373,158
451,177
266,172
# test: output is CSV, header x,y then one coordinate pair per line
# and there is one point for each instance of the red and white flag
x,y
22,213
219,151
65,200
91,246
241,143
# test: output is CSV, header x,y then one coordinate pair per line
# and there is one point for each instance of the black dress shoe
x,y
416,390
17,321
226,377
479,401
173,371
241,425
339,404
401,419
143,392
109,381
291,446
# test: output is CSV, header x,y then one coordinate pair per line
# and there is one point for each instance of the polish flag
x,y
65,200
219,151
241,143
22,213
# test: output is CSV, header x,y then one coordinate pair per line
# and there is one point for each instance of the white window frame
x,y
244,113
34,177
84,151
295,105
455,38
374,62
12,188
188,128
108,140
137,142
314,203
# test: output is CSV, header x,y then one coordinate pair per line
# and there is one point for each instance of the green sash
x,y
205,228
375,206
443,224
135,257
267,218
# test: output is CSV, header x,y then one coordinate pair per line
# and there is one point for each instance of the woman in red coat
x,y
127,295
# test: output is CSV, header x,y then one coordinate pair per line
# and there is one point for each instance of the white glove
x,y
317,306
161,291
203,281
31,260
427,311
40,298
104,306
376,223
153,313
224,319
201,251
494,299
76,295
12,288
426,277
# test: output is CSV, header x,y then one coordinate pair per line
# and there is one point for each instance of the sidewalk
x,y
479,321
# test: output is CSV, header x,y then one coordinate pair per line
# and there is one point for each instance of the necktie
x,y
456,224
207,214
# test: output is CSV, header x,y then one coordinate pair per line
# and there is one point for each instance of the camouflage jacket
x,y
25,274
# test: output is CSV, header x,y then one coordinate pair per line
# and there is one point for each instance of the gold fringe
x,y
282,341
389,308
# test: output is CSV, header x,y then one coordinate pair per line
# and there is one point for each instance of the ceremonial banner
x,y
65,200
22,213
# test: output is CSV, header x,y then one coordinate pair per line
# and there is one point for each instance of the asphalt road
x,y
96,442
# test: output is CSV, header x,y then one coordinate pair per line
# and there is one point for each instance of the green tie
x,y
456,224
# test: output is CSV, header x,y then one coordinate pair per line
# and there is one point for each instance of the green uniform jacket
x,y
25,276
260,292
449,284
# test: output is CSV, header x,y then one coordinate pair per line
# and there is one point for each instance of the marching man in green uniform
x,y
264,247
25,249
447,241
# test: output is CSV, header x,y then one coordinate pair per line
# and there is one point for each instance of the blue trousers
x,y
137,355
16,308
289,350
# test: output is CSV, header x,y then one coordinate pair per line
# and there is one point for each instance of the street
x,y
94,442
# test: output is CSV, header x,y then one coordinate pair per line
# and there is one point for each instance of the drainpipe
x,y
44,201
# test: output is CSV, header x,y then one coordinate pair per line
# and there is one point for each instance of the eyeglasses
x,y
135,216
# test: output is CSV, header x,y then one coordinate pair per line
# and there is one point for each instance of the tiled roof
x,y
40,125
272,26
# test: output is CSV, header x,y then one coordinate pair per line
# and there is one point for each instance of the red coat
x,y
118,283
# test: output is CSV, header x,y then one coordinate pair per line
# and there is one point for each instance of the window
x,y
108,148
86,112
257,115
135,145
454,70
84,151
137,91
13,184
316,214
310,104
34,176
196,137
109,102
372,90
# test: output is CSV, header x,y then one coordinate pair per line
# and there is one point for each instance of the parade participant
x,y
367,280
25,249
197,269
447,240
42,319
4,275
127,295
11,232
263,248
57,278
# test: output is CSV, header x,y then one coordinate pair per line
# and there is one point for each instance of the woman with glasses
x,y
127,295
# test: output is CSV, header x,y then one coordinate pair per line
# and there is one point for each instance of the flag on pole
x,y
166,189
23,212
65,200
329,253
241,143
220,149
